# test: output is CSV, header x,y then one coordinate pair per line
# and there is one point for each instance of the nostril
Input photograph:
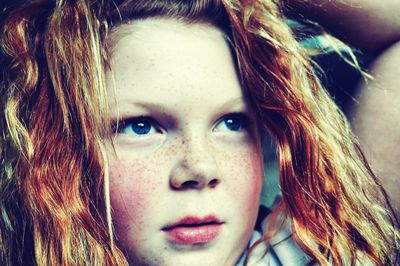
x,y
190,184
213,183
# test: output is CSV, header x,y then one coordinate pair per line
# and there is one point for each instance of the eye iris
x,y
233,124
141,128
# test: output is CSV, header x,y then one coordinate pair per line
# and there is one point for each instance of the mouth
x,y
194,230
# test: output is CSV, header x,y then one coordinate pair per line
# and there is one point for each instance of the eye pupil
x,y
141,127
233,124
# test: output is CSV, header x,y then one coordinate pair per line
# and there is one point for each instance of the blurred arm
x,y
371,25
376,120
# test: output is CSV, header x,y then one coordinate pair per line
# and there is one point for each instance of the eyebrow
x,y
235,102
232,105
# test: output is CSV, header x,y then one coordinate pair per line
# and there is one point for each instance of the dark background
x,y
6,6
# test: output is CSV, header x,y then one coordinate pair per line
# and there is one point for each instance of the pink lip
x,y
194,230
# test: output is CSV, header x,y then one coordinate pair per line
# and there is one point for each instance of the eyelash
x,y
119,127
242,118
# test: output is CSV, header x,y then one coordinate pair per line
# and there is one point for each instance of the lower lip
x,y
185,235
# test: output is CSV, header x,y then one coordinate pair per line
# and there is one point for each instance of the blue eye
x,y
137,126
233,122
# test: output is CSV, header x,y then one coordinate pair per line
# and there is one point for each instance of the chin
x,y
195,261
189,258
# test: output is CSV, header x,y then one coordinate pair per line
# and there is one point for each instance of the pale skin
x,y
372,26
197,153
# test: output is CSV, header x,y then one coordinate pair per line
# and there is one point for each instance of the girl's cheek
x,y
252,170
243,173
249,167
255,164
130,189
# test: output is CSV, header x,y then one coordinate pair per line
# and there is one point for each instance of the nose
x,y
196,168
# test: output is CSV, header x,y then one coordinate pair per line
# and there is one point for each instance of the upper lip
x,y
194,221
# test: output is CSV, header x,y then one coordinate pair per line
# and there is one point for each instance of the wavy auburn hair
x,y
54,195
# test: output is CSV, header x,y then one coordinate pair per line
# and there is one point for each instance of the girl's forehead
x,y
159,56
163,25
151,44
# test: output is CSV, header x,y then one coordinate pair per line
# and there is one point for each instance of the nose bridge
x,y
197,150
197,166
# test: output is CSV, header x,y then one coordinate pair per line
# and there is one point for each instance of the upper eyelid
x,y
248,121
168,120
243,115
119,124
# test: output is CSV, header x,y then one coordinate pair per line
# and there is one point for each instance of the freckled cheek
x,y
255,168
131,190
245,176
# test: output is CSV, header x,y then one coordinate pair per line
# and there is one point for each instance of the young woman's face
x,y
186,177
